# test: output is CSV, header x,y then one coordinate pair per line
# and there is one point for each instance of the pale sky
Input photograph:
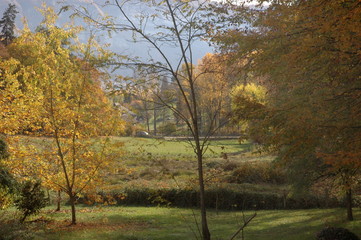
x,y
120,43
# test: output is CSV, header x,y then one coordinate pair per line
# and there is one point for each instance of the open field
x,y
160,148
154,223
180,149
149,162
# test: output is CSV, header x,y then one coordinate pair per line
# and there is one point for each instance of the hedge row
x,y
218,199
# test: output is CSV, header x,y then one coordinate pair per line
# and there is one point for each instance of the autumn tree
x,y
216,79
143,105
7,24
248,110
308,52
56,77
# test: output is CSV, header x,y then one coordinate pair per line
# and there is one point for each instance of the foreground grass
x,y
140,223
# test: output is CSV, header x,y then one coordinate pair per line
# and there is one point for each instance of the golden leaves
x,y
46,90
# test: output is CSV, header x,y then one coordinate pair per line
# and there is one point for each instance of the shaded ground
x,y
140,223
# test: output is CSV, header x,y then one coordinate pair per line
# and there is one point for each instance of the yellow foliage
x,y
50,86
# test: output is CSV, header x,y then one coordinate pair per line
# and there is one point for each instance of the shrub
x,y
3,149
7,180
5,198
229,166
331,233
8,187
31,199
213,164
167,128
258,172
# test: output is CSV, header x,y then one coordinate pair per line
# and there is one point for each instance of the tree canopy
x,y
309,54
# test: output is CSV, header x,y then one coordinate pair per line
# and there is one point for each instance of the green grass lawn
x,y
178,149
135,223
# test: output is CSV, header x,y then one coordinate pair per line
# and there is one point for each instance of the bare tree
x,y
166,25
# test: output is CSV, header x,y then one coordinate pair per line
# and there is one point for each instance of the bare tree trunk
x,y
155,120
73,212
205,230
349,204
148,128
58,199
146,115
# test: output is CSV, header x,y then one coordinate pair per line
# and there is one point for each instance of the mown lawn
x,y
146,223
176,149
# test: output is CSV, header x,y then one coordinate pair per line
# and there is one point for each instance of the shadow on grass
x,y
298,224
140,223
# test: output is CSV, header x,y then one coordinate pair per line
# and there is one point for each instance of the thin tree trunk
x,y
58,199
205,231
24,217
73,212
349,204
146,115
148,128
155,120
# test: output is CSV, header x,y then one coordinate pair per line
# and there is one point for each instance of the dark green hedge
x,y
217,198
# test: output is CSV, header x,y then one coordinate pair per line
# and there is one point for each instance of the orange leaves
x,y
342,159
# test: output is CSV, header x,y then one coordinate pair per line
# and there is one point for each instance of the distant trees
x,y
7,24
213,86
248,110
309,54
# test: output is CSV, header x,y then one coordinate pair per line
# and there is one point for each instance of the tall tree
x,y
309,53
163,25
213,87
7,24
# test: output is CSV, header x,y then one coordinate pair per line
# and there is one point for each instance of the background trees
x,y
213,87
7,24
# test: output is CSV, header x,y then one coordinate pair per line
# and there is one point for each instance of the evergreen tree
x,y
7,24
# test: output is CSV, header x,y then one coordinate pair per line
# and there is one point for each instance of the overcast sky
x,y
120,43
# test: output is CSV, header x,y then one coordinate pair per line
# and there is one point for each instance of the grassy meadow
x,y
142,164
180,148
172,163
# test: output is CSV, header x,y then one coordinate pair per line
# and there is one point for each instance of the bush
x,y
229,166
8,187
167,128
7,180
258,172
331,233
31,199
3,149
5,198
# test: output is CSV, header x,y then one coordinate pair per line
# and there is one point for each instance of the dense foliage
x,y
308,53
